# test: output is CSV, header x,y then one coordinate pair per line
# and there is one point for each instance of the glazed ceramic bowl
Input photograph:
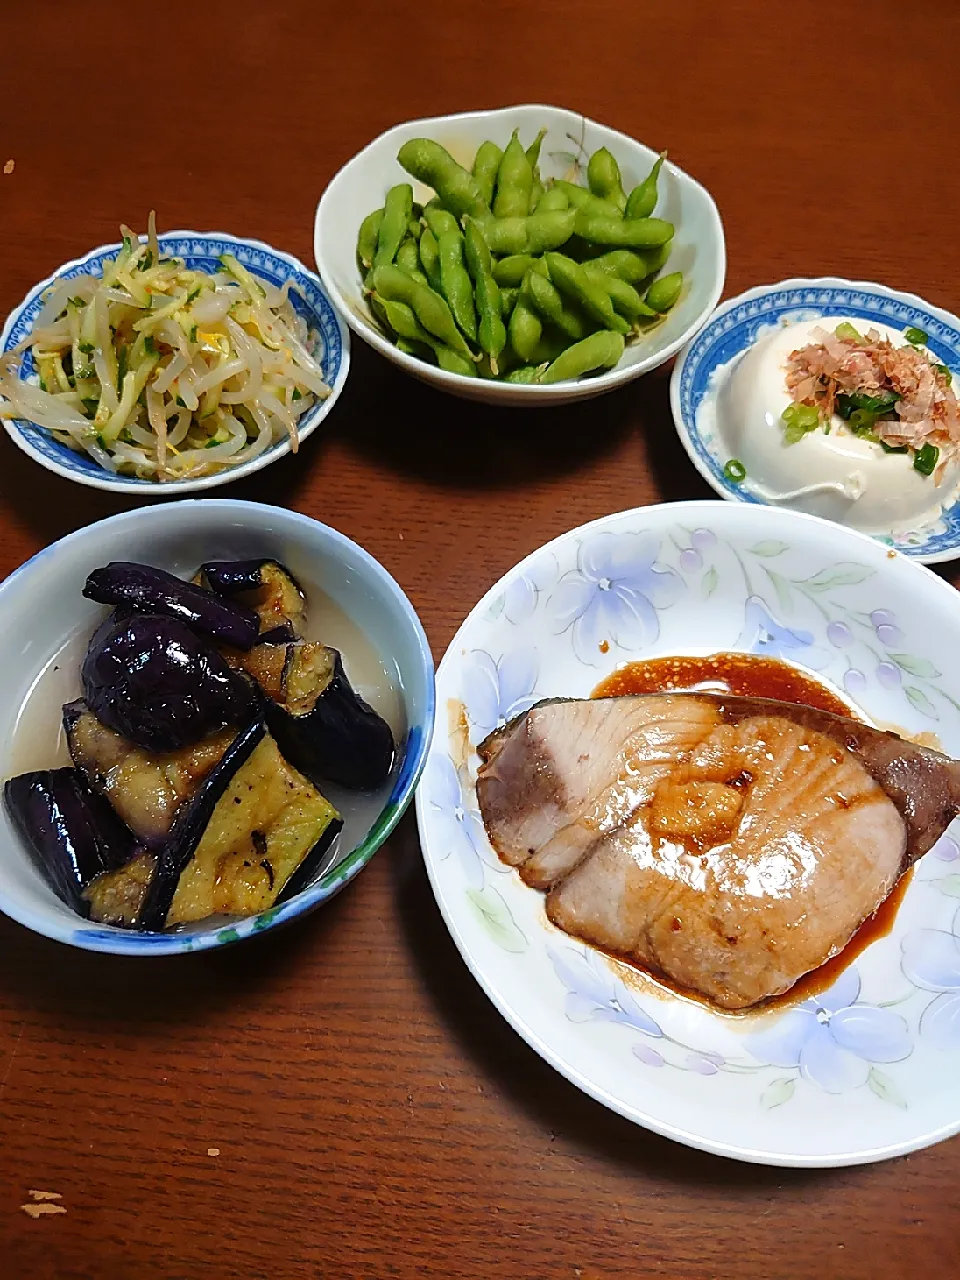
x,y
201,252
867,1067
362,183
44,627
738,323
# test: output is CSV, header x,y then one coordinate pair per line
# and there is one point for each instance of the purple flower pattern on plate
x,y
763,634
614,594
496,690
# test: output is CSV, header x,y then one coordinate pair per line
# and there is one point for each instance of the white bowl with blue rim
x,y
360,186
867,1068
45,624
737,324
201,251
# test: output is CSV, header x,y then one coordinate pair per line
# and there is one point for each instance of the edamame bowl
x,y
607,170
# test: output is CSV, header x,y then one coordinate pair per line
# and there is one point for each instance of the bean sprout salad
x,y
163,372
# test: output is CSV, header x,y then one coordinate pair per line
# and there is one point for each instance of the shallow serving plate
x,y
201,251
736,325
362,183
352,602
865,1070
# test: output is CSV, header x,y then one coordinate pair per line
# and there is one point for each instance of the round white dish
x,y
362,183
201,252
867,1069
43,616
703,368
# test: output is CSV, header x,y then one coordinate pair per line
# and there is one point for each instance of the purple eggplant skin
x,y
148,677
237,577
156,591
341,739
190,825
312,866
72,832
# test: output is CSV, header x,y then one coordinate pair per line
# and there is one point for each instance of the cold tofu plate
x,y
206,729
730,844
165,372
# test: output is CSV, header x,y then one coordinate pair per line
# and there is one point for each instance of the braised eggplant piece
x,y
74,834
253,824
322,726
268,587
144,788
149,678
155,591
117,897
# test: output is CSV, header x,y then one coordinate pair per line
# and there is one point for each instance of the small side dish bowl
x,y
201,252
45,624
740,322
362,183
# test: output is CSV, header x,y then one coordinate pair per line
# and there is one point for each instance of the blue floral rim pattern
x,y
200,251
735,326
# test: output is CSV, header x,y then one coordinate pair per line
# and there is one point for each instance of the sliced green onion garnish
x,y
149,346
925,459
799,420
296,394
942,369
916,337
735,471
892,448
846,330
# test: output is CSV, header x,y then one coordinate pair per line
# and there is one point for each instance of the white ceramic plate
x,y
868,1069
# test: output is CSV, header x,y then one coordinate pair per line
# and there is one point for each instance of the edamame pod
x,y
367,238
455,283
430,258
603,176
536,194
663,293
525,330
623,263
429,162
544,297
453,362
439,220
394,285
642,200
585,201
533,234
553,200
514,181
397,209
601,350
533,151
408,260
491,332
510,271
623,233
571,279
624,297
525,375
486,164
508,300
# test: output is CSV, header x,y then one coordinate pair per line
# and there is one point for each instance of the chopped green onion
x,y
101,442
90,406
87,371
891,448
212,443
798,420
846,330
86,347
916,337
121,368
195,293
126,437
75,302
296,394
849,402
149,346
943,371
735,471
181,403
925,459
146,262
128,244
193,334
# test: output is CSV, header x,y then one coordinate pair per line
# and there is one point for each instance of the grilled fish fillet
x,y
732,844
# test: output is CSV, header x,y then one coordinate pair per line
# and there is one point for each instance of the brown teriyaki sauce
x,y
751,676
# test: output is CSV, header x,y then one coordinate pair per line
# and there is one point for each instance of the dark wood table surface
x,y
371,1113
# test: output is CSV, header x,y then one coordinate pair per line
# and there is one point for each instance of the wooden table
x,y
340,1100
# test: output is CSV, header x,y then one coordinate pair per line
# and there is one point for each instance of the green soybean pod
x,y
657,258
544,297
453,362
536,194
414,349
551,343
571,279
394,285
439,220
585,201
401,319
430,163
553,200
514,181
624,296
601,350
524,376
397,209
551,230
603,176
414,228
486,164
367,238
642,200
623,233
430,258
491,331
455,283
526,329
623,263
663,293
511,270
508,300
533,151
408,259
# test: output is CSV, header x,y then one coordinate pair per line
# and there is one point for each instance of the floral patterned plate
x,y
867,1069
